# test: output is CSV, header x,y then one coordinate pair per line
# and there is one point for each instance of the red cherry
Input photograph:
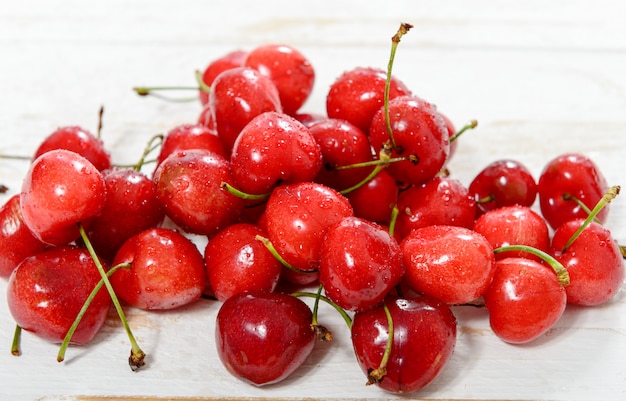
x,y
60,190
359,93
423,341
514,225
503,183
418,130
442,200
237,96
572,175
453,264
229,60
236,261
16,240
167,270
46,291
593,261
289,69
77,140
189,185
360,263
263,337
374,200
524,300
190,136
274,148
451,132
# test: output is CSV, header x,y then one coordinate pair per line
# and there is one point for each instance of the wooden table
x,y
541,78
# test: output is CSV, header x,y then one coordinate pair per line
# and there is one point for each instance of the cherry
x,y
442,200
451,263
503,182
237,96
237,261
424,338
417,130
78,140
131,207
360,263
46,291
225,62
451,133
167,270
61,189
524,300
567,180
593,261
358,94
298,217
263,337
288,68
274,148
374,200
16,240
341,144
189,185
514,225
191,136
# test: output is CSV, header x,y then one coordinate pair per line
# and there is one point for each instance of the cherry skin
x,y
442,200
514,225
451,263
451,132
503,183
263,337
374,200
274,148
289,69
237,96
189,185
190,136
361,263
131,207
225,62
60,190
237,261
574,175
593,261
524,300
359,93
418,130
424,338
16,240
47,290
77,140
167,270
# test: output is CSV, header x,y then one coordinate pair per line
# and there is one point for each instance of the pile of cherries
x,y
354,208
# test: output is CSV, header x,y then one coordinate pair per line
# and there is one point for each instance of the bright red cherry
x,y
374,200
77,140
262,337
451,263
167,270
289,69
424,338
225,62
566,176
524,300
47,290
60,190
191,136
359,93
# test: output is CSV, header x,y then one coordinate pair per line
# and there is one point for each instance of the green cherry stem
x,y
137,356
83,310
270,247
395,211
202,86
376,375
559,269
17,338
338,308
322,333
471,125
240,194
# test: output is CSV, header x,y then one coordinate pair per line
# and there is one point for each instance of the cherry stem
x,y
342,312
153,91
395,211
3,189
561,272
395,40
568,196
486,199
17,337
150,147
15,157
610,194
202,86
270,247
83,310
321,332
471,125
243,195
376,375
137,356
99,129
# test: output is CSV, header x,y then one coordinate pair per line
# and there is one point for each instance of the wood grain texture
x,y
541,78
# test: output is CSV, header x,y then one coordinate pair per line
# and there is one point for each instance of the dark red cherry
x,y
375,200
78,140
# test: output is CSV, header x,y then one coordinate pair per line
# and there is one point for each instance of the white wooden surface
x,y
542,78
